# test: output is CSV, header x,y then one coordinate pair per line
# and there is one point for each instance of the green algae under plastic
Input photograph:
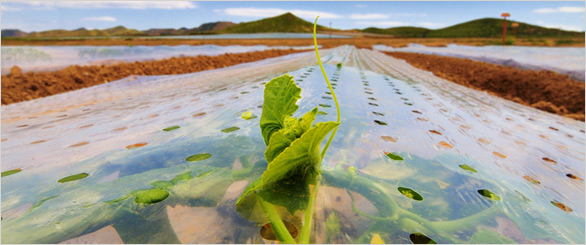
x,y
73,177
198,157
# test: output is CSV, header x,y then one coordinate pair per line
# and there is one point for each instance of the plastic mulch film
x,y
162,159
564,60
47,58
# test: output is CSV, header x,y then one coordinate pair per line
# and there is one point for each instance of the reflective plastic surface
x,y
415,158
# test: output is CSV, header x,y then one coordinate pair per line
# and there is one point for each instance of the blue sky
x,y
46,15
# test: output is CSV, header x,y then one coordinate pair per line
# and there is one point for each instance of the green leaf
x,y
307,120
9,172
230,129
247,115
293,129
73,177
468,168
280,98
394,156
150,196
171,128
418,238
249,190
278,143
291,193
410,193
488,194
198,157
303,155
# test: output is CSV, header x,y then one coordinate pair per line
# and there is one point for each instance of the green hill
x,y
282,23
492,27
487,27
81,32
407,31
122,31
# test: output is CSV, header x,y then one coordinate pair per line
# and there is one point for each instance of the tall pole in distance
x,y
505,15
330,30
515,25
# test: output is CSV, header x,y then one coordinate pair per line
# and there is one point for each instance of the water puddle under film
x,y
162,159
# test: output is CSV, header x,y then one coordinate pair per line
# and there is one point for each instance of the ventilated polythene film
x,y
475,168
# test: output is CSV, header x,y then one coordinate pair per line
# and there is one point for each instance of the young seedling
x,y
293,149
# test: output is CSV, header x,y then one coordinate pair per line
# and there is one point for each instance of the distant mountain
x,y
81,32
487,27
215,26
283,23
122,31
211,27
164,32
493,27
407,31
13,33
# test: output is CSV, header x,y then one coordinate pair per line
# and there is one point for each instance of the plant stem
x,y
466,222
277,224
321,66
304,237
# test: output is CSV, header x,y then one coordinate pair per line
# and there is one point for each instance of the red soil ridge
x,y
544,90
18,86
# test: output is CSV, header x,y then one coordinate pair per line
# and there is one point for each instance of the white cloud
x,y
430,24
113,4
383,24
368,16
9,8
361,6
572,9
100,18
560,10
270,12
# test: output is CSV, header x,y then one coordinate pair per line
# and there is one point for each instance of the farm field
x,y
501,171
321,122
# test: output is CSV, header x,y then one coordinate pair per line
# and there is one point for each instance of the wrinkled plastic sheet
x,y
564,60
435,125
49,58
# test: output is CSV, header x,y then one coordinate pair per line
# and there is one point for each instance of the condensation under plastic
x,y
88,130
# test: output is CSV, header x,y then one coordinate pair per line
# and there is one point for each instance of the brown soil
x,y
18,86
544,90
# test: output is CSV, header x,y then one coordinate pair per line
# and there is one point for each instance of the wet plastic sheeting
x,y
566,60
44,58
435,126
